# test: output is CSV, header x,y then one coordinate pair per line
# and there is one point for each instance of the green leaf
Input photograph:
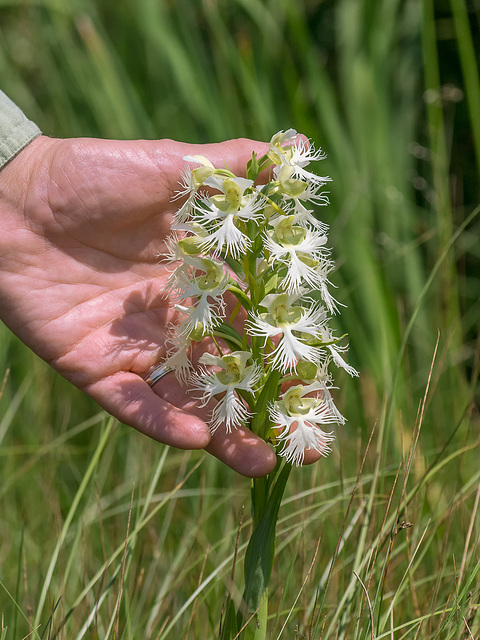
x,y
228,333
229,629
261,548
241,297
236,267
271,283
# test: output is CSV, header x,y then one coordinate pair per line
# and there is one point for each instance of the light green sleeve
x,y
16,130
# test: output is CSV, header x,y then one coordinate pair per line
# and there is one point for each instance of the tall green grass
x,y
103,535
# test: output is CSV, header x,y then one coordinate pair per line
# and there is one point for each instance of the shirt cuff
x,y
16,130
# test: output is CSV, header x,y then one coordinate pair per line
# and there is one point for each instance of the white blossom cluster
x,y
264,245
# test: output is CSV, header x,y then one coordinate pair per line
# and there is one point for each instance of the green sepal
x,y
315,342
197,334
306,370
200,174
190,245
292,187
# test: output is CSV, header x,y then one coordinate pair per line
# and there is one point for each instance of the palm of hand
x,y
98,305
84,288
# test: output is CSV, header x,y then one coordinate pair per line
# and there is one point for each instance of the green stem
x,y
260,421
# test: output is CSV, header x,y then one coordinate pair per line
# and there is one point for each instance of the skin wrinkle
x,y
53,323
74,251
141,363
35,197
97,328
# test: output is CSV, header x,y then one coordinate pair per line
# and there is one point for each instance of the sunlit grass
x,y
104,535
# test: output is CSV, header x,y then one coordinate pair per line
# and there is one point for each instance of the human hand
x,y
83,222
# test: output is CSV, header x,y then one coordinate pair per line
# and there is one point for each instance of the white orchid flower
x,y
293,325
297,192
335,351
291,155
234,375
178,343
302,251
206,280
221,215
299,416
190,182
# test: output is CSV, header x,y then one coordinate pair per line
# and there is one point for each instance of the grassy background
x,y
103,535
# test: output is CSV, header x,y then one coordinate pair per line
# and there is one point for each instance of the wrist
x,y
22,207
23,248
16,177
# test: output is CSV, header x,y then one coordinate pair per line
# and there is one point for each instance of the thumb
x,y
232,153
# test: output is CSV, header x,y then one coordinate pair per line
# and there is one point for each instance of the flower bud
x,y
190,245
306,370
198,333
292,187
201,174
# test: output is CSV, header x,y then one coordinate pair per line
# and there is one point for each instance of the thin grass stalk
x,y
386,616
17,587
470,71
138,527
462,596
165,633
33,630
298,538
316,614
442,198
69,519
414,440
168,580
345,537
435,469
115,621
469,535
382,577
437,266
9,415
300,590
71,565
98,604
